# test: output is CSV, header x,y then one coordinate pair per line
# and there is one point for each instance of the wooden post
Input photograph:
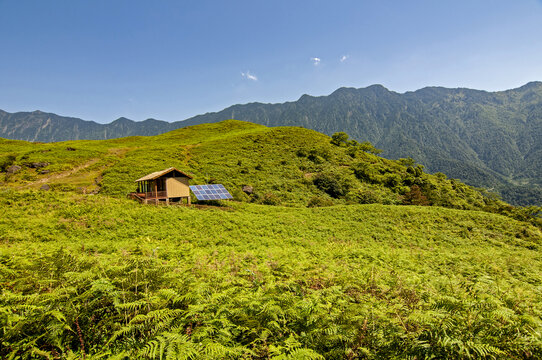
x,y
188,200
155,189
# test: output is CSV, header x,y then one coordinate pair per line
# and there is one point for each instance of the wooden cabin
x,y
169,185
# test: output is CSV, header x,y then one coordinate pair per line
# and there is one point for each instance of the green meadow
x,y
332,256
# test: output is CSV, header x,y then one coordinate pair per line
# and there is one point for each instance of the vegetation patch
x,y
329,266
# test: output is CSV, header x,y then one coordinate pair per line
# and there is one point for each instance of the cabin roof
x,y
157,174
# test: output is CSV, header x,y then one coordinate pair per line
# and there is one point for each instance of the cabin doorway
x,y
160,184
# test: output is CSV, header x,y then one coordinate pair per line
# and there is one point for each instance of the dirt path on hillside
x,y
67,173
64,174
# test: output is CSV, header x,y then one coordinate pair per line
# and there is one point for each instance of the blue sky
x,y
170,60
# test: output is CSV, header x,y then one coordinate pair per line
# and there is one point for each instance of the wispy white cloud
x,y
343,58
249,76
315,61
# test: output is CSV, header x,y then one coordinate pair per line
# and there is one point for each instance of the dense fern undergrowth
x,y
342,270
97,277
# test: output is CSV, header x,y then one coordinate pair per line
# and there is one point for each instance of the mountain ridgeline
x,y
39,126
487,139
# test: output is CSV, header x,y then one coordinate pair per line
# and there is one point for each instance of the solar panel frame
x,y
210,192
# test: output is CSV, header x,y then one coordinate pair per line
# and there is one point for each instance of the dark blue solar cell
x,y
210,192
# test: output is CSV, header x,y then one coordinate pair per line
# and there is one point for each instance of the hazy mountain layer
x,y
48,127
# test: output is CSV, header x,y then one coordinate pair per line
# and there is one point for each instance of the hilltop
x,y
284,165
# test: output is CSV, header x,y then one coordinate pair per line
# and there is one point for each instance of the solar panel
x,y
210,192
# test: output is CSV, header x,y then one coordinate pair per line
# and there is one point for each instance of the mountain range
x,y
486,139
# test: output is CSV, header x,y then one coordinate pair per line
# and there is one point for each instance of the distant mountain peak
x,y
531,85
343,90
377,87
123,120
305,97
348,89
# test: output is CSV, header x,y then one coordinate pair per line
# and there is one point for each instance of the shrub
x,y
339,139
368,147
318,156
410,162
415,197
329,183
366,172
392,180
271,199
239,195
6,161
319,201
364,196
301,153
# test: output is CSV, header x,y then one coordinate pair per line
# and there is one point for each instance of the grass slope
x,y
99,276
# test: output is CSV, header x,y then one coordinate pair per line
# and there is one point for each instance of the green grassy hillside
x,y
87,273
285,165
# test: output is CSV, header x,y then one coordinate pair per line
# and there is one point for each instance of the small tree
x,y
339,139
415,197
368,147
